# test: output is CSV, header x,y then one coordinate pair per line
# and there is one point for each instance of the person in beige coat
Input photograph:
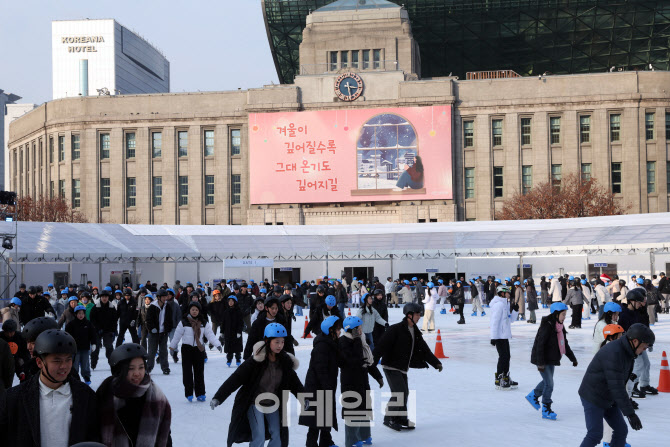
x,y
11,312
519,300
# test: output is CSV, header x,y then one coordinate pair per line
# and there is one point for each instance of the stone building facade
x,y
184,158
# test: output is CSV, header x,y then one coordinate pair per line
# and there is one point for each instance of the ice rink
x,y
459,406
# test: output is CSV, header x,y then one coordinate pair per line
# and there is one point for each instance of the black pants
x,y
123,327
502,345
460,312
193,370
397,382
577,315
229,356
313,435
107,340
158,343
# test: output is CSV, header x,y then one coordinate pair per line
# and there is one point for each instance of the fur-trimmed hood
x,y
259,354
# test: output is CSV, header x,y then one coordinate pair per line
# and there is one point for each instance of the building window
x,y
667,125
386,147
333,60
584,129
157,191
376,58
586,172
497,126
51,150
61,148
469,183
344,59
75,147
616,178
104,146
61,189
156,144
649,125
182,143
526,179
555,129
354,59
556,175
51,189
615,127
236,189
130,145
651,177
235,142
525,131
131,191
105,191
366,59
76,193
497,181
209,143
468,133
183,190
209,190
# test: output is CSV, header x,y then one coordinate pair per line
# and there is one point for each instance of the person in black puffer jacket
x,y
34,306
232,326
322,377
287,316
320,313
380,304
104,318
270,315
84,336
217,309
128,313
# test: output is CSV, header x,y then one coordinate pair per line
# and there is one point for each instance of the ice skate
x,y
533,400
548,413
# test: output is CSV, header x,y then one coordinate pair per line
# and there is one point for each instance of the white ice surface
x,y
458,407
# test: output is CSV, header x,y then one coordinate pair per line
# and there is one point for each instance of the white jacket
x,y
185,334
598,337
555,291
431,299
388,287
601,295
501,319
587,295
369,319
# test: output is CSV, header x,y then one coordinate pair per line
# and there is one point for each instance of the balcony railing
x,y
367,66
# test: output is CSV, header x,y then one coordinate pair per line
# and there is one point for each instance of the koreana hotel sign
x,y
80,40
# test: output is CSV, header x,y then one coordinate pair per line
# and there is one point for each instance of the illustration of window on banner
x,y
351,155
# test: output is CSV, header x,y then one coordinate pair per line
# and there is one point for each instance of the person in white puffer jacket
x,y
430,301
191,331
555,291
369,315
501,333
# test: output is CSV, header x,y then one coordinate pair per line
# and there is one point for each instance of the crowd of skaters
x,y
156,317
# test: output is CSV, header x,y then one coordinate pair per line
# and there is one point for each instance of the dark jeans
x,y
340,307
108,342
397,382
315,433
577,315
193,370
158,343
502,345
122,333
594,416
229,356
546,387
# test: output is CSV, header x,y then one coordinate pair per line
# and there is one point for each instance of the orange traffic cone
x,y
309,334
664,379
349,312
439,353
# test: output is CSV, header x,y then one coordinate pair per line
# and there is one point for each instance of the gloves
x,y
295,342
650,349
575,363
633,377
154,331
93,348
220,348
386,325
540,368
239,335
493,342
214,403
516,308
440,368
306,405
380,381
132,323
634,422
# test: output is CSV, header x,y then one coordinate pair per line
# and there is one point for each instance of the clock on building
x,y
348,86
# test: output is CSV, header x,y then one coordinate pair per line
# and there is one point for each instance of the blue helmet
x,y
360,281
251,280
525,281
516,283
355,278
351,322
232,297
50,285
79,307
65,291
118,291
440,281
571,278
364,297
458,282
640,281
406,282
583,281
46,293
551,276
330,300
170,290
264,290
557,307
273,330
15,301
108,288
415,279
612,307
72,298
328,323
507,278
430,285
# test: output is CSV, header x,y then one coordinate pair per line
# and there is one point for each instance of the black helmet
x,y
143,290
32,290
411,308
636,294
22,286
36,326
194,304
277,289
375,279
128,292
162,292
378,292
285,298
39,289
88,295
288,287
54,341
321,289
582,276
193,294
126,351
88,444
9,326
271,299
642,333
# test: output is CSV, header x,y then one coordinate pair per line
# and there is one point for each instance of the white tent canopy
x,y
64,242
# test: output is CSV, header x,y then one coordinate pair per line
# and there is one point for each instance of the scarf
x,y
368,358
561,338
196,326
156,414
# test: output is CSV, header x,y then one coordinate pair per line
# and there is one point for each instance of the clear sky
x,y
211,44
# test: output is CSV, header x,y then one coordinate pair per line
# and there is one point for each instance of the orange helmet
x,y
612,329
